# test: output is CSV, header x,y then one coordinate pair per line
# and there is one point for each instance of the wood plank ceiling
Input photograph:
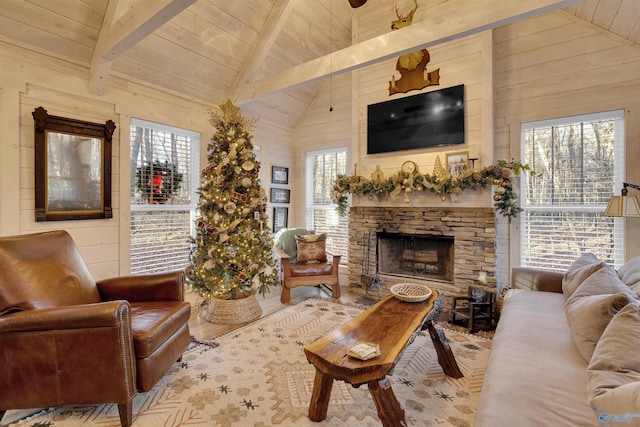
x,y
269,54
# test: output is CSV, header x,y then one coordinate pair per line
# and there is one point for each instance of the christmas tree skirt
x,y
258,376
232,311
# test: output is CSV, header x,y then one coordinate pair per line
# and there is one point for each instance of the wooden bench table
x,y
390,323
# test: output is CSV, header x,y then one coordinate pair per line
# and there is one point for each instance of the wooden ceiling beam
x,y
449,21
100,67
265,40
116,38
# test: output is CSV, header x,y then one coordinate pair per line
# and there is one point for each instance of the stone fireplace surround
x,y
473,231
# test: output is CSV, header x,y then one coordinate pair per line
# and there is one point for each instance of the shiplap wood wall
x,y
29,79
549,66
557,65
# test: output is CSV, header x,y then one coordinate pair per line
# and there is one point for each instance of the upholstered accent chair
x,y
304,261
66,339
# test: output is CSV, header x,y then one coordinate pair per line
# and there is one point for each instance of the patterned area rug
x,y
258,376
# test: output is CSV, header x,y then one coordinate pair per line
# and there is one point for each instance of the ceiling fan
x,y
357,3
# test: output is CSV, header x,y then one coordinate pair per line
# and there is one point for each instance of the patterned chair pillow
x,y
286,239
311,248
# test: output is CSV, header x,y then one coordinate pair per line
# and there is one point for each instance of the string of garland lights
x,y
403,183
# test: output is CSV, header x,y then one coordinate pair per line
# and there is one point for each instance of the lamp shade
x,y
626,206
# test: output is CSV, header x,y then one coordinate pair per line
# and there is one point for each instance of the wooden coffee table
x,y
392,324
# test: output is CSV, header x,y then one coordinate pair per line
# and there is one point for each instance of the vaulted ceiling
x,y
271,54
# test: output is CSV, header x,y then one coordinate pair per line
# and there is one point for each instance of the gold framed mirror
x,y
72,168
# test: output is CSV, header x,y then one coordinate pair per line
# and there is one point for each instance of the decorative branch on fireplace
x,y
404,183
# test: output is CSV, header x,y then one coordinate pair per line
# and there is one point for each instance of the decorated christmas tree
x,y
232,249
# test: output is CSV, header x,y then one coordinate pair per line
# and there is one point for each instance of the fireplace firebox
x,y
416,255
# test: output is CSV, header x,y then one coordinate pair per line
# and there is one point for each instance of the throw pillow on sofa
x,y
630,274
578,272
614,371
588,317
605,280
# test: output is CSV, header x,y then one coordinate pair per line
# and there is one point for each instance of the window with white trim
x,y
323,167
579,162
164,166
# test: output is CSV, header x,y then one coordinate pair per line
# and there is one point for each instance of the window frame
x,y
618,252
310,206
194,179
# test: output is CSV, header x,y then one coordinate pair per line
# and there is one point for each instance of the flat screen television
x,y
430,119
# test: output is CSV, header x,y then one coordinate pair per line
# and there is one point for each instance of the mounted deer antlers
x,y
411,66
403,21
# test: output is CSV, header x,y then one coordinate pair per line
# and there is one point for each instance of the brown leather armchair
x,y
294,274
66,339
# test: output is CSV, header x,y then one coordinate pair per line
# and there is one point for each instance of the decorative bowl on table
x,y
411,292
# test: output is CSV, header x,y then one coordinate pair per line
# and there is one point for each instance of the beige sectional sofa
x,y
567,349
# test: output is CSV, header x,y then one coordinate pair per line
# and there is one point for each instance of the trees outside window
x,y
322,169
164,171
579,163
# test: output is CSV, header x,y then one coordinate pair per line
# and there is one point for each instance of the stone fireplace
x,y
415,255
447,249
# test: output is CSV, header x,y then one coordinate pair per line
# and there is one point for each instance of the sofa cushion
x,y
630,274
311,247
604,281
613,374
578,272
547,386
154,322
588,317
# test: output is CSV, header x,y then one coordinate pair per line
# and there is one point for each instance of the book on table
x,y
364,351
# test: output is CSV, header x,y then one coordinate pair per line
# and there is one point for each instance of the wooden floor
x,y
202,329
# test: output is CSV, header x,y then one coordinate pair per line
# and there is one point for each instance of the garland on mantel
x,y
403,184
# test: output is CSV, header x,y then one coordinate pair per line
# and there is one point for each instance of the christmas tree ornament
x,y
239,197
234,224
229,207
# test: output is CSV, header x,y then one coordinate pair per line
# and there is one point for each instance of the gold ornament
x,y
409,167
229,109
438,170
230,207
377,175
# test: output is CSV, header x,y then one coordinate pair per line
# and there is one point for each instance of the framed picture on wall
x,y
279,175
280,195
457,163
280,218
72,168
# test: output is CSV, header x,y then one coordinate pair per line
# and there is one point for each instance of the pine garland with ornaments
x,y
232,251
408,181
